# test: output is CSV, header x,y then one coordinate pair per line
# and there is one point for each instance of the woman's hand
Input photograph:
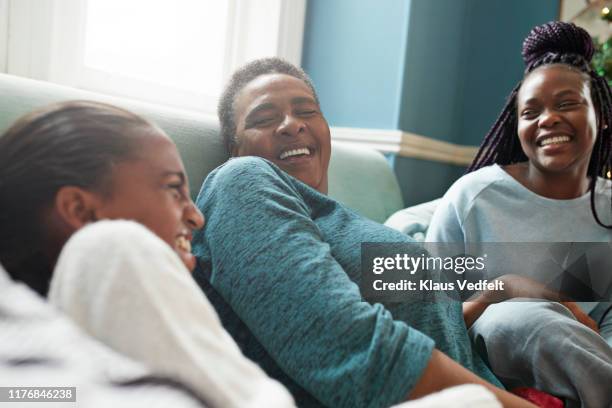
x,y
516,286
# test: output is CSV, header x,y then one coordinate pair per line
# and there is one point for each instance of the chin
x,y
304,178
556,166
309,183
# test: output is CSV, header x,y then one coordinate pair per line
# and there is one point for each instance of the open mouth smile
x,y
182,243
295,153
553,140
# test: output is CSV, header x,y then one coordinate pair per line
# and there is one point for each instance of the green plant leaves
x,y
602,60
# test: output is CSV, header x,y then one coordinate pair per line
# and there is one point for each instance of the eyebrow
x,y
568,91
557,95
298,100
529,101
179,174
259,108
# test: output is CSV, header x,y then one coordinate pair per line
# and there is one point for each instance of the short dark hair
x,y
239,79
554,43
74,143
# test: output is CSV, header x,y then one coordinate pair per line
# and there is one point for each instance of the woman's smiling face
x,y
278,118
152,189
557,124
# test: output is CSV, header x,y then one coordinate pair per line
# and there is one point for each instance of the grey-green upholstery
x,y
363,180
360,178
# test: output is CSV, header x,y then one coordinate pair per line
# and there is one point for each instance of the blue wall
x,y
494,63
354,52
463,57
439,68
430,91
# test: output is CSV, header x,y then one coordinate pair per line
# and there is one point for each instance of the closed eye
x,y
529,114
260,122
568,104
177,190
263,121
307,113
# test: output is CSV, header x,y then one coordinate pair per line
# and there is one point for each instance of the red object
x,y
539,398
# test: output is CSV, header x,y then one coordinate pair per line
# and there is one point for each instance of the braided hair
x,y
554,43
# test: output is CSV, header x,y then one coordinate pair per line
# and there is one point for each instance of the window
x,y
175,52
3,35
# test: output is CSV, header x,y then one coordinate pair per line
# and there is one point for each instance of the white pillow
x,y
413,221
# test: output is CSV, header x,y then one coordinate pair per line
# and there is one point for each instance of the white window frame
x,y
43,39
3,35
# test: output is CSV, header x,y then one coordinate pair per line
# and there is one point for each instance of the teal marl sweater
x,y
281,264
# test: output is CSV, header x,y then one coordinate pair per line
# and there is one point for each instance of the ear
x,y
76,206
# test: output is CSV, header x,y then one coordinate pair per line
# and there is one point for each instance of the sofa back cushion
x,y
196,136
359,178
362,179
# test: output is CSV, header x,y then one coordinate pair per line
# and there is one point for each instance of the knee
x,y
512,319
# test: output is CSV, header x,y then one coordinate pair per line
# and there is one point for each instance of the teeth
x,y
294,152
555,140
183,244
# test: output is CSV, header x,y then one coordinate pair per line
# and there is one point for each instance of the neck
x,y
556,185
322,187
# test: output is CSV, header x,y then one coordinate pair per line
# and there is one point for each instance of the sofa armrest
x,y
414,220
363,180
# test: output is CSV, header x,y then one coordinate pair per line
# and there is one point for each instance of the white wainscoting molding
x,y
406,144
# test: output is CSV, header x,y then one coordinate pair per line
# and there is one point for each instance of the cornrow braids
x,y
554,43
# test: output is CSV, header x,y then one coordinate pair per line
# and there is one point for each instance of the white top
x,y
59,354
489,205
129,289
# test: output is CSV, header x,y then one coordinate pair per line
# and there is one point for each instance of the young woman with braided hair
x,y
565,46
539,177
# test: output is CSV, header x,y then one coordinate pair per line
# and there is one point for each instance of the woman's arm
x,y
442,372
272,264
472,311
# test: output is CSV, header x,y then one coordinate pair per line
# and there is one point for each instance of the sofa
x,y
358,177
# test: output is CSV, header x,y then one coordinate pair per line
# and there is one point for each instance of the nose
x,y
291,126
548,118
193,217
